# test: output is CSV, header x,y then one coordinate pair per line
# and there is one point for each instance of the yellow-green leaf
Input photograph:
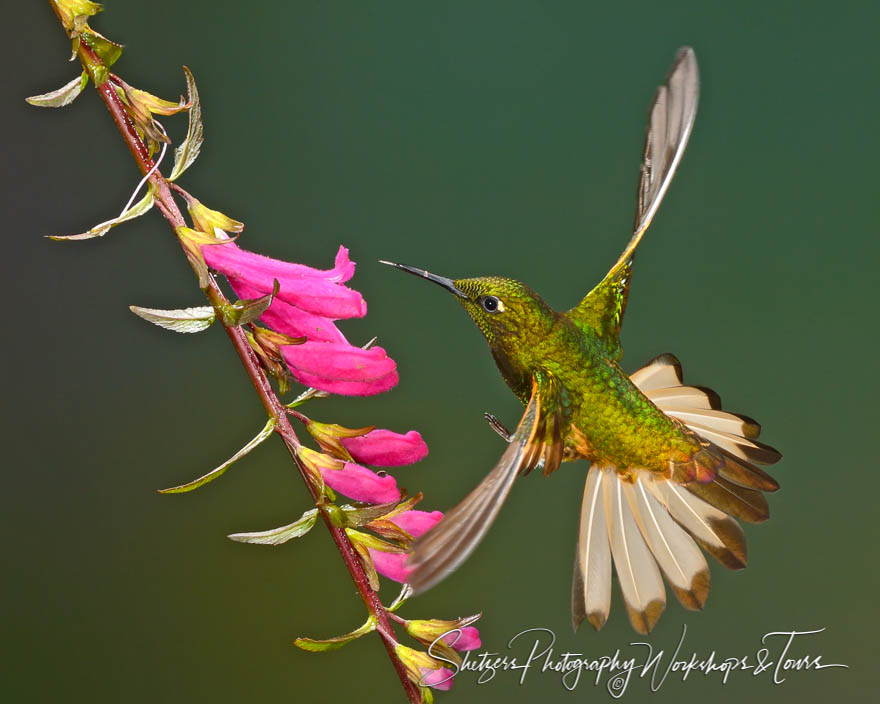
x,y
214,473
181,320
187,152
65,95
320,646
101,229
108,51
278,536
205,219
244,312
68,10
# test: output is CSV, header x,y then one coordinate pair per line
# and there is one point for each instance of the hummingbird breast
x,y
612,422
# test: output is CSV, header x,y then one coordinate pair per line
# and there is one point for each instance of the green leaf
x,y
367,563
321,646
65,95
406,592
187,152
99,230
371,541
108,51
214,473
180,320
278,536
357,516
248,310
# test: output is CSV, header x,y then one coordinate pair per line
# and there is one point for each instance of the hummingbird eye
x,y
492,304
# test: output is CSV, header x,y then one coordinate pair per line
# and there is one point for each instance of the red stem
x,y
168,207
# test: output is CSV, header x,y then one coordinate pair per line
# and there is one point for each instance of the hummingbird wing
x,y
535,442
669,127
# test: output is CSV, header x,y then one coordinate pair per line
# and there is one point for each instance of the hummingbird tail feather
x,y
625,518
637,572
591,584
731,449
643,521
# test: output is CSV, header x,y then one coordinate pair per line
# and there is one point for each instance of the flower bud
x,y
384,448
424,670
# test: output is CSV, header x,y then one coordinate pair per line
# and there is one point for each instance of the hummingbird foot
x,y
498,427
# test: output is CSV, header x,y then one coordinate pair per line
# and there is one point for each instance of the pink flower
x,y
414,522
456,634
290,320
384,448
391,565
468,639
307,303
341,368
440,678
313,290
417,522
423,669
361,484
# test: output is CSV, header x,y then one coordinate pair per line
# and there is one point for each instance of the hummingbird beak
x,y
448,284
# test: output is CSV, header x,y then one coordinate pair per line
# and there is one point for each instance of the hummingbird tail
x,y
648,524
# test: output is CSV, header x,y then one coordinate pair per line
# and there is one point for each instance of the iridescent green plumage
x,y
569,356
670,469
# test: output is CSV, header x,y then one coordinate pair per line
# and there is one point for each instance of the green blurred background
x,y
469,138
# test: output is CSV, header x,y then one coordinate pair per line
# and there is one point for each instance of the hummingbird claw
x,y
498,427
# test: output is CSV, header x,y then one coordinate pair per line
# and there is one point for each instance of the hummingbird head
x,y
509,314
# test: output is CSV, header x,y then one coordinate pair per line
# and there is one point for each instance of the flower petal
x,y
416,522
468,640
391,565
384,448
341,368
361,484
290,320
314,290
440,678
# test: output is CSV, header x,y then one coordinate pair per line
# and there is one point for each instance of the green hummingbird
x,y
670,470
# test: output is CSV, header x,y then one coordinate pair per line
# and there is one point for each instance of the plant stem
x,y
168,207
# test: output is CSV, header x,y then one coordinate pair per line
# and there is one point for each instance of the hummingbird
x,y
670,470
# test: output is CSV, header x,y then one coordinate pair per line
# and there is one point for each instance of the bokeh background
x,y
469,138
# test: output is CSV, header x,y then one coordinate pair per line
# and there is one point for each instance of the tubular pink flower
x,y
314,290
290,320
416,522
341,368
440,678
391,565
455,634
361,484
384,448
468,640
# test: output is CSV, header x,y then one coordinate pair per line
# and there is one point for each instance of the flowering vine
x,y
283,326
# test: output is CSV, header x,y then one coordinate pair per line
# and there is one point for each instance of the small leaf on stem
x,y
248,310
188,151
278,536
69,10
179,320
371,541
65,95
367,563
214,473
99,230
356,516
320,646
406,592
